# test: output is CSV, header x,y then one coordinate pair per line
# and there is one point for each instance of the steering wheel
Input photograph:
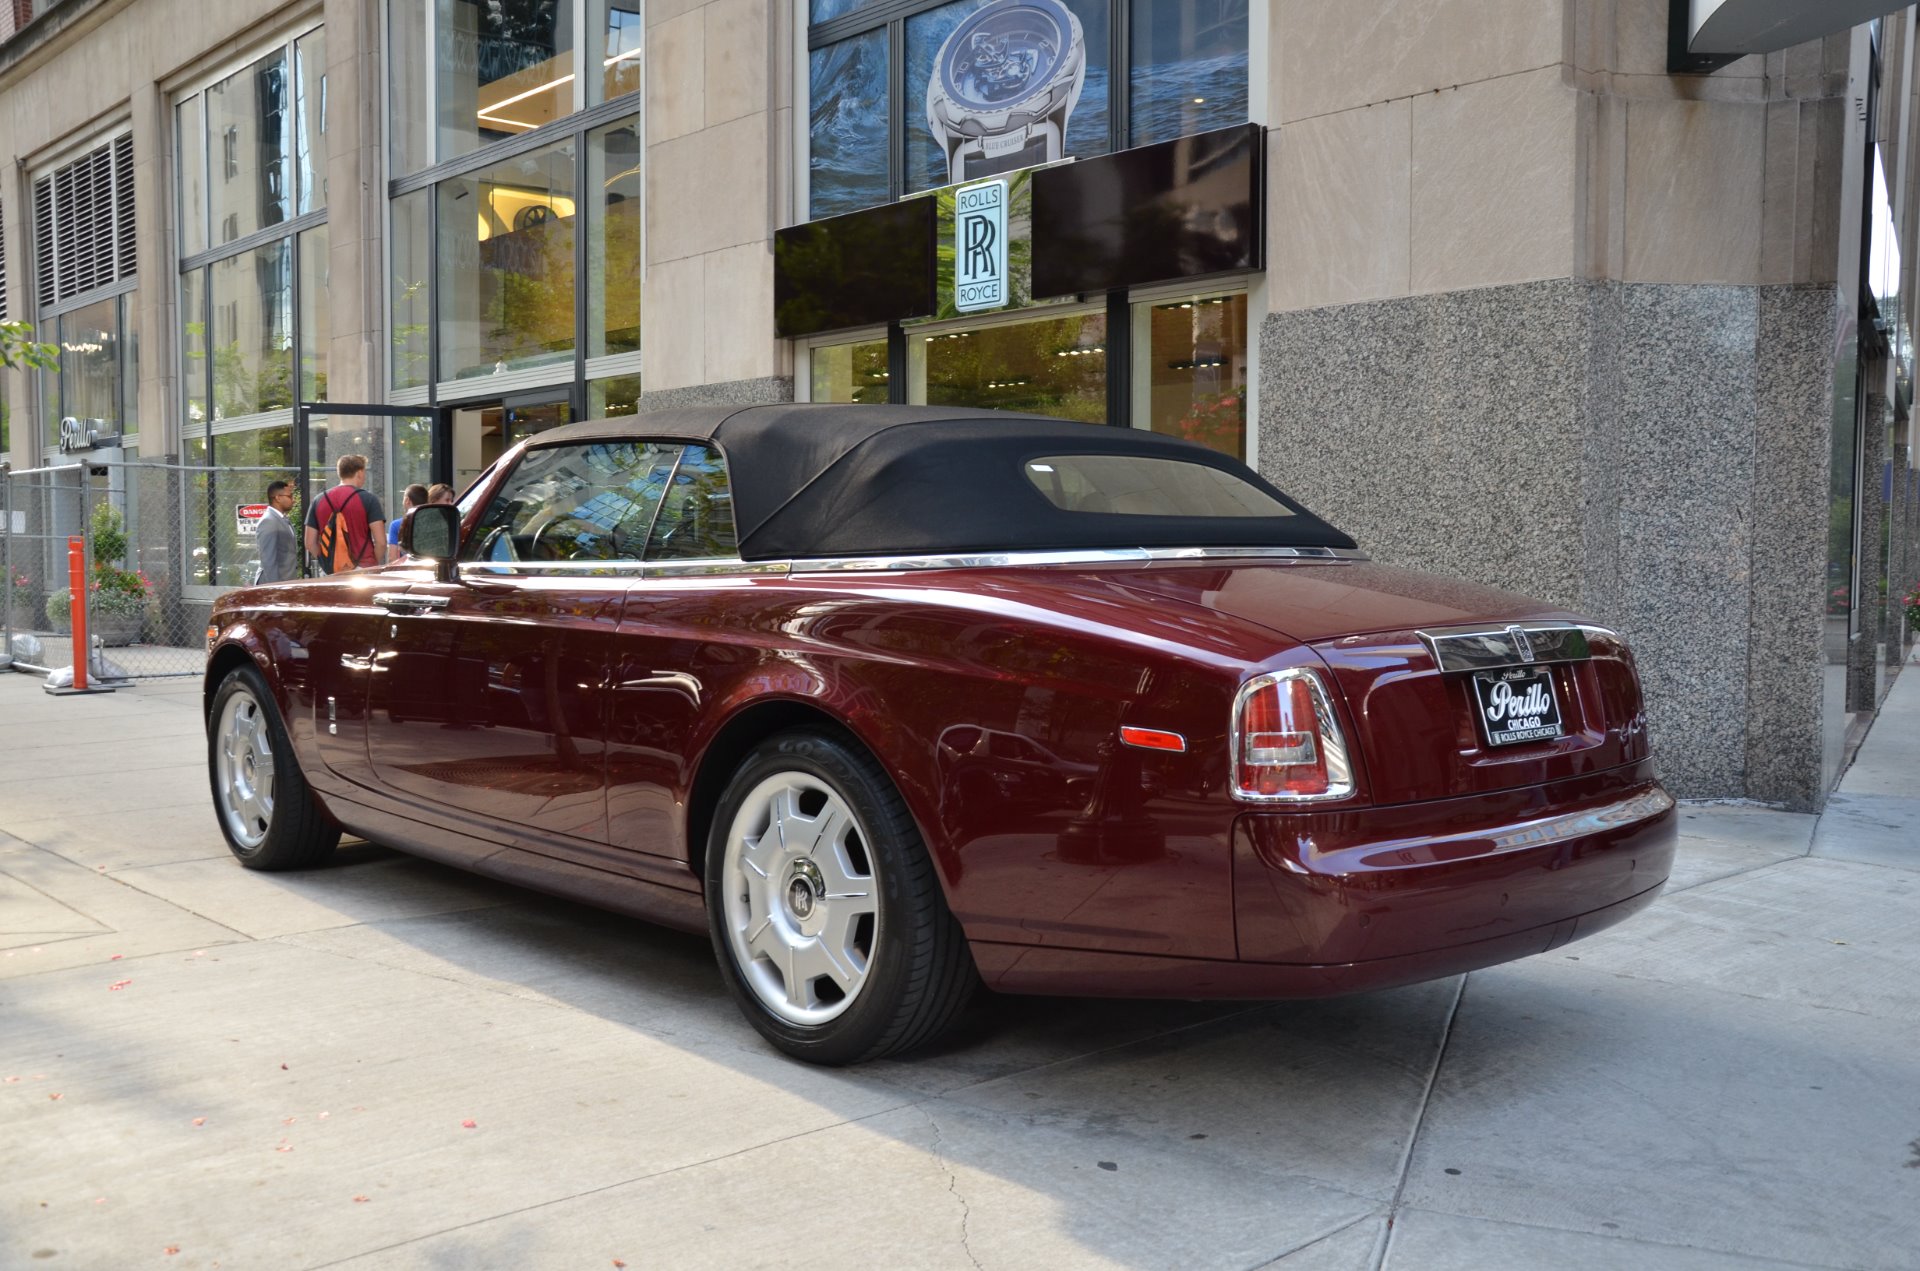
x,y
577,552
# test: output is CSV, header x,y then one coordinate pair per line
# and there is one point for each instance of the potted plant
x,y
116,598
16,596
1911,603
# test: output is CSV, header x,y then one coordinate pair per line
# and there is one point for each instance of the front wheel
x,y
827,920
269,816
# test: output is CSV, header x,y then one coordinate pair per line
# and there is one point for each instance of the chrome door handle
x,y
401,602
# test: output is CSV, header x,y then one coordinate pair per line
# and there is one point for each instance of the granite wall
x,y
753,392
1651,454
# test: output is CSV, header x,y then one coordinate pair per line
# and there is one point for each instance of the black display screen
x,y
1180,209
857,270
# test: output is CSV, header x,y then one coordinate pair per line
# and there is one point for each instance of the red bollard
x,y
77,585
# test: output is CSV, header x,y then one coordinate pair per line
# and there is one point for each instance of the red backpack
x,y
338,550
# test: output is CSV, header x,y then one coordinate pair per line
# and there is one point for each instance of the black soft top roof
x,y
831,480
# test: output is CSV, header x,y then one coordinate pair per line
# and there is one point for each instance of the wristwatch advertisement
x,y
1004,85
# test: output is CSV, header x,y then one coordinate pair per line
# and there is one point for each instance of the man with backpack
x,y
345,527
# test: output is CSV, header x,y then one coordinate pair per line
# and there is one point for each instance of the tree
x,y
19,349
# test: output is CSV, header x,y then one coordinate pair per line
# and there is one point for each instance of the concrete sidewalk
x,y
387,1063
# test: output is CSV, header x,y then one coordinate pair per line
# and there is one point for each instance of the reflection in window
x,y
1135,485
696,517
847,164
252,339
90,367
506,269
587,502
409,118
1053,366
193,346
971,83
310,119
250,130
621,50
848,372
1192,380
500,70
1189,68
316,327
613,246
612,397
411,283
191,157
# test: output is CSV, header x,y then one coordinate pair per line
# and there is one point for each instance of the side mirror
x,y
433,532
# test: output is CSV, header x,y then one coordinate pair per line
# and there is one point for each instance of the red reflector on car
x,y
1152,739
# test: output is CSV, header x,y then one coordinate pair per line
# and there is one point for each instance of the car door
x,y
488,699
669,649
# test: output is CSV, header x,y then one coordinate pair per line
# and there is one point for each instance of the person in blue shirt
x,y
416,497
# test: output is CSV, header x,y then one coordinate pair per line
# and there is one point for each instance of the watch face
x,y
1005,53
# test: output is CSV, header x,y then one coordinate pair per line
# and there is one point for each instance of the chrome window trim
x,y
1332,739
718,567
1486,646
1075,556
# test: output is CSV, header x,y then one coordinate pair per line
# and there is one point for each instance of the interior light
x,y
1198,100
622,57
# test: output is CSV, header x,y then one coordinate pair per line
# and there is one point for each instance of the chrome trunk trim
x,y
732,567
1488,647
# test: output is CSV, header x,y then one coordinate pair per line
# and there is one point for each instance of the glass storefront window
x,y
1189,68
610,398
613,244
315,325
500,70
190,142
969,80
252,339
90,365
250,141
408,246
310,119
847,165
506,268
193,347
619,43
854,372
409,121
1050,366
1190,371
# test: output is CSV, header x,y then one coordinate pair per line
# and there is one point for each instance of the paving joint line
x,y
1311,1241
1761,1259
1385,1246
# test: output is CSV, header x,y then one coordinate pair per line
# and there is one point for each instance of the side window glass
x,y
696,518
590,502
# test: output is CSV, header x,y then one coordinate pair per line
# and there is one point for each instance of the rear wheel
x,y
269,816
828,922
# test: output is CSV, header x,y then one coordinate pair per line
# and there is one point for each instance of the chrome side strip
x,y
1485,648
730,567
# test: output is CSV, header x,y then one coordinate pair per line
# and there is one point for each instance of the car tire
x,y
827,919
267,813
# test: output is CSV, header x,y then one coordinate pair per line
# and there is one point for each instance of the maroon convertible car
x,y
896,701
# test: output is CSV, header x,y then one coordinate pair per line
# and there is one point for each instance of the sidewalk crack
x,y
953,1186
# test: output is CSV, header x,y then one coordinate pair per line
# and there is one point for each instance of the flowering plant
x,y
1911,603
1217,421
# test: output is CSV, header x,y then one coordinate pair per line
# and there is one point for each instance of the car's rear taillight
x,y
1287,745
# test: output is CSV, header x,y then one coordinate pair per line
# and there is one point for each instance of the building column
x,y
157,270
356,204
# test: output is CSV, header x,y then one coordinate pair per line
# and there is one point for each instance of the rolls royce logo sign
x,y
980,246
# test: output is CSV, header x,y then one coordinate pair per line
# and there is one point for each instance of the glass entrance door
x,y
397,441
482,431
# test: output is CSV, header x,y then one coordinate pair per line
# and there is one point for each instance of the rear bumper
x,y
1340,901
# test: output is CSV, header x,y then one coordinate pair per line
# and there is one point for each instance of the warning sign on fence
x,y
246,517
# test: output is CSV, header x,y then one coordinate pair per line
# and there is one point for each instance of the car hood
x,y
1311,601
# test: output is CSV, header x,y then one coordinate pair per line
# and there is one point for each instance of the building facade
x,y
1485,282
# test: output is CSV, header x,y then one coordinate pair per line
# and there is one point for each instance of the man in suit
x,y
274,536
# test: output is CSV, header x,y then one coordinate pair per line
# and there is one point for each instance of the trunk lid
x,y
1416,725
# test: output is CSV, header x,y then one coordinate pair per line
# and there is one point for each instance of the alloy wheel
x,y
243,764
801,899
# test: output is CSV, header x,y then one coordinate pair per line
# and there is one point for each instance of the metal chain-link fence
x,y
162,541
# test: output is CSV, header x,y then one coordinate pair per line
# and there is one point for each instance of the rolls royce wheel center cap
x,y
806,888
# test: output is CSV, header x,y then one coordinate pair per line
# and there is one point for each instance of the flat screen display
x,y
857,270
1179,209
